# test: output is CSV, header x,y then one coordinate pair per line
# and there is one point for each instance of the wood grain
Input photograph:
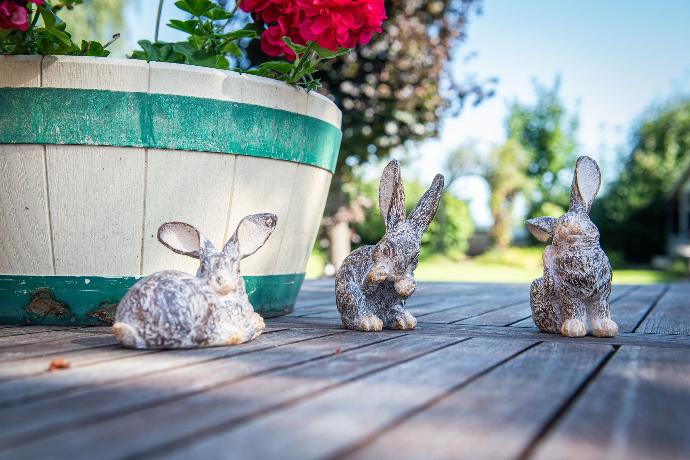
x,y
20,71
671,315
25,245
96,209
637,408
373,402
200,197
511,404
228,405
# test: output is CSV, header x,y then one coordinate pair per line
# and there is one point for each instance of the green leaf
x,y
298,49
195,7
185,26
325,53
50,20
92,48
278,66
218,14
150,50
242,33
232,48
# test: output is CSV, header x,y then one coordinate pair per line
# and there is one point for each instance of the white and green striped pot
x,y
96,153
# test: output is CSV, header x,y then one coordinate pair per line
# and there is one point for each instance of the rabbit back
x,y
165,310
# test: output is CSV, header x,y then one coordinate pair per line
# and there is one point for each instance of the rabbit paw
x,y
371,323
604,328
404,320
573,328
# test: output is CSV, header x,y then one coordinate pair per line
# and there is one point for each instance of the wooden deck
x,y
474,380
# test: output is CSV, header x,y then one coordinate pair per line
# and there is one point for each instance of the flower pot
x,y
96,153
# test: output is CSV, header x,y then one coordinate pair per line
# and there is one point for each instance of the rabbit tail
x,y
544,311
127,335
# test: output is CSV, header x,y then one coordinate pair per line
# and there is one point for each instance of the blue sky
x,y
615,59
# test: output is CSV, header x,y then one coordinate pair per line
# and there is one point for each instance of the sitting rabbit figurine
x,y
374,281
172,309
573,294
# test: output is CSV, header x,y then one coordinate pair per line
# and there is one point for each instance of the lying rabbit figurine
x,y
172,309
573,294
372,284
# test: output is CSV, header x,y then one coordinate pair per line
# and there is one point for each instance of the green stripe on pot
x,y
163,121
92,300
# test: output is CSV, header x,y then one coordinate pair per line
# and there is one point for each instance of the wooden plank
x,y
303,218
10,330
477,305
135,364
68,342
95,193
95,73
171,196
671,315
335,420
503,316
25,246
232,403
47,336
275,179
96,208
37,419
636,408
511,403
20,71
454,330
194,81
630,309
628,298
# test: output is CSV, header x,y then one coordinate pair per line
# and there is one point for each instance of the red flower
x,y
346,23
330,23
14,14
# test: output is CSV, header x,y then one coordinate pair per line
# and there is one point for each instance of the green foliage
x,y
301,71
97,18
547,132
48,35
209,45
396,89
506,174
448,233
632,214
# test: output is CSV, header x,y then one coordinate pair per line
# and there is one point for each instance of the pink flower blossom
x,y
14,14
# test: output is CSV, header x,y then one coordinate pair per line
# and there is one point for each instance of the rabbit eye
x,y
386,250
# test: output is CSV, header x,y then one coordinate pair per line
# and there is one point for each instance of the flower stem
x,y
158,19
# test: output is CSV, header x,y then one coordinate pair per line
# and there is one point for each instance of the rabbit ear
x,y
185,239
541,227
424,212
586,183
392,195
252,232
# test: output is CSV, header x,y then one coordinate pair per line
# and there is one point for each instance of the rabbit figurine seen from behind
x,y
172,309
374,281
572,297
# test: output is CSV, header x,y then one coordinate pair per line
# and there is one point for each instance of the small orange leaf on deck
x,y
338,351
58,363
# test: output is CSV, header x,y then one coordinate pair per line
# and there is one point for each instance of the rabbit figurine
x,y
374,281
172,309
573,295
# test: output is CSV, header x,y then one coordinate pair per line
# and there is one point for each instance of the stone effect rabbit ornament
x,y
573,295
172,309
374,281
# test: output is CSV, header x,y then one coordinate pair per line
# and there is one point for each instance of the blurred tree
x,y
506,174
97,20
631,216
450,238
395,90
547,132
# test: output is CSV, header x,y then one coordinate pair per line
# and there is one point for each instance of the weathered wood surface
x,y
476,379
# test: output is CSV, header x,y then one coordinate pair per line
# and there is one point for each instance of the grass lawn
x,y
515,265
